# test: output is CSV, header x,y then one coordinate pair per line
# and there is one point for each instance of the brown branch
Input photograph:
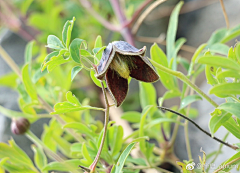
x,y
225,166
225,14
137,13
88,6
144,15
201,129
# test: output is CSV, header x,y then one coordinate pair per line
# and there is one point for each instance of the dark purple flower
x,y
20,126
119,61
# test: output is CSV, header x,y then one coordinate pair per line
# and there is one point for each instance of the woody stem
x,y
94,164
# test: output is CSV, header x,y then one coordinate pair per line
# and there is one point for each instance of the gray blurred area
x,y
196,26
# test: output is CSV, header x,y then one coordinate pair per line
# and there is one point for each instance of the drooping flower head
x,y
119,61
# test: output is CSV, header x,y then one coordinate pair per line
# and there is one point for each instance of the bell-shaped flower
x,y
121,60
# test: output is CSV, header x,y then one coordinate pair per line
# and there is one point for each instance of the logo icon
x,y
190,166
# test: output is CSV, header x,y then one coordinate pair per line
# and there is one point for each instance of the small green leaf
x,y
210,79
65,107
131,116
25,5
75,71
217,120
226,88
228,73
147,94
237,52
159,56
29,86
120,163
231,107
68,165
80,127
189,99
67,31
231,34
96,81
40,158
217,36
86,154
98,42
115,135
63,145
75,48
219,61
172,31
219,48
232,165
141,128
54,42
232,127
28,53
9,80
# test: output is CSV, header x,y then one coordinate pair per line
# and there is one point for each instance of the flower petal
x,y
117,85
106,59
127,49
143,70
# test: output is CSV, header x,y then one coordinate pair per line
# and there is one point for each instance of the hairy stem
x,y
94,164
204,131
183,78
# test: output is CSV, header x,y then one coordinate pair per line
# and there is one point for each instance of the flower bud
x,y
20,126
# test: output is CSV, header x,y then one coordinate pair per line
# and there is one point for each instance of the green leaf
x,y
25,5
80,127
171,32
65,107
219,61
55,62
50,55
141,128
67,31
38,75
63,145
68,165
232,127
219,48
237,52
131,116
195,56
217,36
75,47
9,80
210,79
98,53
86,154
168,95
40,158
228,73
28,54
231,34
120,163
29,86
147,94
98,42
217,120
226,88
72,99
54,42
231,107
75,71
115,135
159,56
233,165
179,44
189,99
96,81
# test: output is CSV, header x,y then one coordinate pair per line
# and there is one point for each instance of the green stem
x,y
183,78
94,164
225,166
